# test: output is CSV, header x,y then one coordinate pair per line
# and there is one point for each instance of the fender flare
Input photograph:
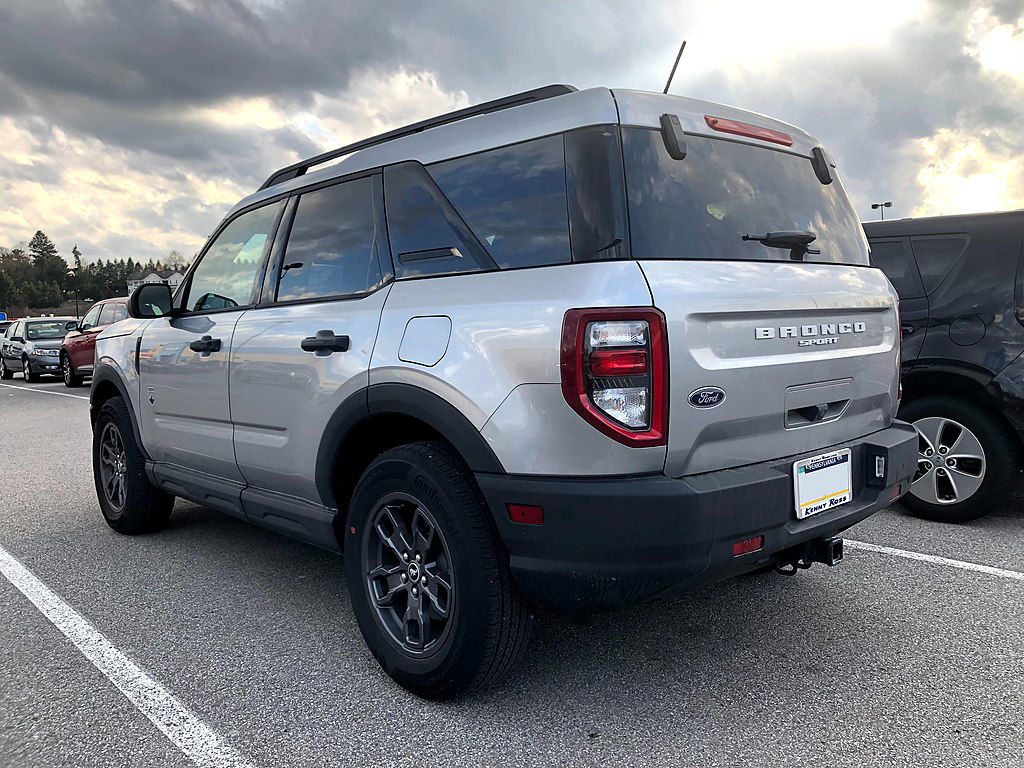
x,y
406,400
106,374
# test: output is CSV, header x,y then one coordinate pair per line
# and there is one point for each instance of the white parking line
x,y
963,565
44,391
191,735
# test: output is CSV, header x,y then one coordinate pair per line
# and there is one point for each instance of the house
x,y
168,276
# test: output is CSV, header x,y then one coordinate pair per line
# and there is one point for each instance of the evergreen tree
x,y
49,265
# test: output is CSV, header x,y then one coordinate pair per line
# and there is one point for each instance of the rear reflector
x,y
746,546
527,514
746,129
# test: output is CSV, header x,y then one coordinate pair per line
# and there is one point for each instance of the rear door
x,y
894,256
183,359
11,348
307,347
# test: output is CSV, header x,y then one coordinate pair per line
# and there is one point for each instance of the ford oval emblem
x,y
707,397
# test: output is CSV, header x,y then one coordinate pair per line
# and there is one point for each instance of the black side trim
x,y
344,419
214,492
293,517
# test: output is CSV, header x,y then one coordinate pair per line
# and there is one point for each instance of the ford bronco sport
x,y
571,348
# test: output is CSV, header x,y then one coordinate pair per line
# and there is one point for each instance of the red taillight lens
x,y
746,129
746,546
615,372
618,362
899,357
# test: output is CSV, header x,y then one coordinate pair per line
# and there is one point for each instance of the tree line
x,y
36,276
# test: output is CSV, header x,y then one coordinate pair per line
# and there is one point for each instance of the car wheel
x,y
430,587
30,375
5,373
966,460
71,379
129,502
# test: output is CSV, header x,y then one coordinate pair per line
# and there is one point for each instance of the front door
x,y
183,359
81,345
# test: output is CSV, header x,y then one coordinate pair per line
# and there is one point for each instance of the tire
x,y
982,448
67,370
139,507
30,375
426,488
5,373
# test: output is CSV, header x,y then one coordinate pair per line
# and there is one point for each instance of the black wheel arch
x,y
383,416
107,383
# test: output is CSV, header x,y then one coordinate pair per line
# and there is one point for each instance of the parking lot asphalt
x,y
884,660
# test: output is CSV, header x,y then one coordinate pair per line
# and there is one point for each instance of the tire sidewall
x,y
461,652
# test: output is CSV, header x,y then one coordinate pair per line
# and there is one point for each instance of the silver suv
x,y
571,348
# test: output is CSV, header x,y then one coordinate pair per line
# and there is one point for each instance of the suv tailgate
x,y
842,356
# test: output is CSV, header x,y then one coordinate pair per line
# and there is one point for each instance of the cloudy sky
x,y
130,126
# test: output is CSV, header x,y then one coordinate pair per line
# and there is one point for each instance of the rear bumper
x,y
606,542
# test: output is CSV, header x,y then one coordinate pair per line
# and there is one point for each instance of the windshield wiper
x,y
798,242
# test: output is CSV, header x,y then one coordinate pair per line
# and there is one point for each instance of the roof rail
x,y
537,94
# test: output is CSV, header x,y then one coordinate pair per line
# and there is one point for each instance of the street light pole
x,y
881,207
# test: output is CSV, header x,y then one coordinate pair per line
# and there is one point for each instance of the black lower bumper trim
x,y
608,541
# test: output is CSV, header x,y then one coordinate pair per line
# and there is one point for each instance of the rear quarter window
x,y
936,255
893,257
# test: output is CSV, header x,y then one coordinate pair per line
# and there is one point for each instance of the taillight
x,y
738,128
899,357
615,372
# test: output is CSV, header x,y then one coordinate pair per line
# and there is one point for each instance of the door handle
x,y
205,345
324,343
906,329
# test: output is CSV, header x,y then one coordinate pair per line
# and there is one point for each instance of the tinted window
x,y
332,245
700,207
891,257
120,312
428,237
226,275
513,199
91,317
936,256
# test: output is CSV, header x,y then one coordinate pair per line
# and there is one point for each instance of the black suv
x,y
961,285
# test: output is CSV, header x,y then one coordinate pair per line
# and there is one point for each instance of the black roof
x,y
937,225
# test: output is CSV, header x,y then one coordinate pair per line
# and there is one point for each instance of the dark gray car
x,y
32,346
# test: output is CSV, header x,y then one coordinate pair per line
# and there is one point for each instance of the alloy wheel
x,y
113,467
409,574
66,370
950,461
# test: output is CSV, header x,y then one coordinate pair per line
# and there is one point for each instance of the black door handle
x,y
324,343
205,345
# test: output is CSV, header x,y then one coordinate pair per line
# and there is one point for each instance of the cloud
x,y
130,127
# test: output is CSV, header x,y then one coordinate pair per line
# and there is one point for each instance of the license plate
x,y
821,482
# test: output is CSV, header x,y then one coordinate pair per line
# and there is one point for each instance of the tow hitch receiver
x,y
827,551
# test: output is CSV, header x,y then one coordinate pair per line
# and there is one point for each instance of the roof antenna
x,y
673,72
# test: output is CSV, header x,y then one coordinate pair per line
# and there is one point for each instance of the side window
x,y
120,312
428,237
226,275
936,255
332,246
893,258
92,317
106,315
514,200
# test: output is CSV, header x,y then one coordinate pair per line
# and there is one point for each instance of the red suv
x,y
76,353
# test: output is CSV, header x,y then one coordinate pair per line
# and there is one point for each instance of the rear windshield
x,y
701,206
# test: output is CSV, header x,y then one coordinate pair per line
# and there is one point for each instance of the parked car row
x,y
57,346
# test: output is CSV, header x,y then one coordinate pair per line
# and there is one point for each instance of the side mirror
x,y
71,325
150,300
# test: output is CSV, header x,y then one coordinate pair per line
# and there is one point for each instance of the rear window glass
x,y
700,207
936,256
51,329
892,258
514,200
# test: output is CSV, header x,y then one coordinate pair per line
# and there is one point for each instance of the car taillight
x,y
615,372
899,357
